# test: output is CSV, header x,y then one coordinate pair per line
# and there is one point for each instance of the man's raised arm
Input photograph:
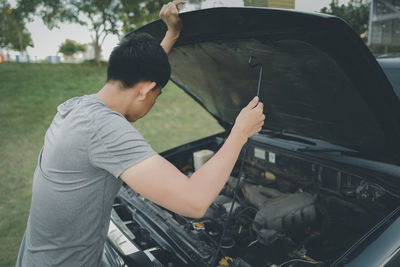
x,y
170,15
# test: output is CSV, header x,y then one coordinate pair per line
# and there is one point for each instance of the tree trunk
x,y
97,50
19,34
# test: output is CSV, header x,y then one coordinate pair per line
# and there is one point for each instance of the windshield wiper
x,y
328,150
285,136
313,148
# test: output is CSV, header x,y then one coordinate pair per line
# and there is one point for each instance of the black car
x,y
318,186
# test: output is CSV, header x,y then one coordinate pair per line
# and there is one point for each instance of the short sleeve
x,y
115,145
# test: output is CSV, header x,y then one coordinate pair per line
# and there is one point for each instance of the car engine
x,y
284,211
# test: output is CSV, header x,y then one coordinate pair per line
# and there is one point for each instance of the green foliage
x,y
356,13
52,12
134,14
70,47
260,3
13,34
93,62
103,17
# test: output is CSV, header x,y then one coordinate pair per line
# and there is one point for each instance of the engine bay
x,y
285,210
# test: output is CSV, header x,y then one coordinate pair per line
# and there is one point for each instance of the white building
x,y
201,4
384,23
89,53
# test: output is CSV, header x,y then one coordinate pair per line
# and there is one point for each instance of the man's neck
x,y
116,98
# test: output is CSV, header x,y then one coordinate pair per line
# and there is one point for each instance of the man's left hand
x,y
170,15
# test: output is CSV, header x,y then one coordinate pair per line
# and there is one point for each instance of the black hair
x,y
138,57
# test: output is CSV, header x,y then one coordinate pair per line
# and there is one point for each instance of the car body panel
x,y
380,250
384,235
318,75
391,67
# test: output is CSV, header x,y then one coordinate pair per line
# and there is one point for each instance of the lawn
x,y
29,96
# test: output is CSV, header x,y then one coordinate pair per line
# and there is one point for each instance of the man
x,y
91,147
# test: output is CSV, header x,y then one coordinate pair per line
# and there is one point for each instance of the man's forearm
x,y
212,176
169,40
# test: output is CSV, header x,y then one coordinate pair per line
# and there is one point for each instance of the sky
x,y
47,42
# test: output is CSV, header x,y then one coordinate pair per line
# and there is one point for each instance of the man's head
x,y
138,58
138,67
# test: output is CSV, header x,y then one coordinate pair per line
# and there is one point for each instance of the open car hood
x,y
319,79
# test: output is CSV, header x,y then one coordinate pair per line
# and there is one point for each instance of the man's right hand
x,y
250,119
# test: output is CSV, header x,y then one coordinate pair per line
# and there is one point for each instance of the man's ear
x,y
144,89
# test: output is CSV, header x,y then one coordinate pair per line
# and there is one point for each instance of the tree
x,y
103,17
137,13
69,48
356,13
13,33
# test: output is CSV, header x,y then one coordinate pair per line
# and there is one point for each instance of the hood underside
x,y
319,80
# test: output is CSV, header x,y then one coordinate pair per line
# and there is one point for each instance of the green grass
x,y
29,96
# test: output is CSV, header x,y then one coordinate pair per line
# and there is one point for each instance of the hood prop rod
x,y
254,65
214,259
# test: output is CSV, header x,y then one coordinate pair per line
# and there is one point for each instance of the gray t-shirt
x,y
86,148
